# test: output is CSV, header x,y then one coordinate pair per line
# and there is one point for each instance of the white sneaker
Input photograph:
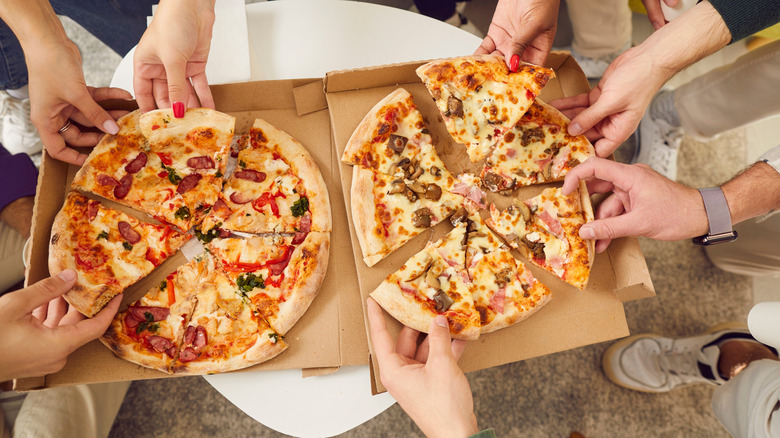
x,y
18,132
652,363
658,145
594,68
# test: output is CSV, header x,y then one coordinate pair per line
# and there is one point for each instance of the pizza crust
x,y
262,350
364,216
364,133
123,347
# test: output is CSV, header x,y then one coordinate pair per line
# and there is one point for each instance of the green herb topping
x,y
248,282
300,207
182,213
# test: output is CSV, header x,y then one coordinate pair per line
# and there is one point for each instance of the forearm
x,y
754,192
33,22
689,38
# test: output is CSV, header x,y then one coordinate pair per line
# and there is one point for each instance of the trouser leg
x,y
755,252
748,404
11,257
732,95
600,27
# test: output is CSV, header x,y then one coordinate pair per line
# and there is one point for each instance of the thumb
x,y
46,290
589,117
439,339
178,85
95,113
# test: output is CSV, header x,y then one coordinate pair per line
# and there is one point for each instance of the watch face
x,y
714,239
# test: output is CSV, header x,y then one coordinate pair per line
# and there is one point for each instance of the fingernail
x,y
587,233
575,129
441,321
178,110
514,62
67,275
111,127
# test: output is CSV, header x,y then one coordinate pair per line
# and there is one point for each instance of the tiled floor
x,y
548,396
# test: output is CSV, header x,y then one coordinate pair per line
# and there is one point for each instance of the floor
x,y
548,396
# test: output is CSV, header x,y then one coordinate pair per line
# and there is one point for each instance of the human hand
x,y
426,380
39,332
613,109
654,12
172,52
58,95
642,203
525,28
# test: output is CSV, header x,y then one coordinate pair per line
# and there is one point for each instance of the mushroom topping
x,y
410,194
537,248
426,263
397,143
512,237
547,170
503,277
443,301
524,211
422,218
432,192
435,171
459,216
398,187
491,181
417,171
454,107
417,187
432,279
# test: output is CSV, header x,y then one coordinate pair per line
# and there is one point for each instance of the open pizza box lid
x,y
329,335
572,318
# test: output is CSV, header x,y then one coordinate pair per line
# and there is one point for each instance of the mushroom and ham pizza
x,y
169,168
545,229
108,249
538,149
480,99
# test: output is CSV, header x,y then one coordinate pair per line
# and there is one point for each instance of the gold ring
x,y
65,128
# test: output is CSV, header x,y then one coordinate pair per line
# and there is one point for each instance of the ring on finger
x,y
65,127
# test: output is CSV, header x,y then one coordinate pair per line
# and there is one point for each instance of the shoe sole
x,y
606,360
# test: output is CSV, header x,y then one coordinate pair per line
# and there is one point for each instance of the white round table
x,y
306,39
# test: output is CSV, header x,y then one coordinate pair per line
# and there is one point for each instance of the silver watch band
x,y
717,210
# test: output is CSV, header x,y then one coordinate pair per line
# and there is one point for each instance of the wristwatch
x,y
718,216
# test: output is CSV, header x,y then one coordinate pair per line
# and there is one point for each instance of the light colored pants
x,y
755,252
733,95
748,405
11,245
600,27
84,411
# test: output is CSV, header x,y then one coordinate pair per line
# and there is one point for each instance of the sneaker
x,y
658,145
652,363
594,68
18,132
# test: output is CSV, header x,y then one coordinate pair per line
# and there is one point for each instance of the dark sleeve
x,y
746,17
487,433
18,177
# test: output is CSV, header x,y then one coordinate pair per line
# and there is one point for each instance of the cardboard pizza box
x,y
572,318
329,335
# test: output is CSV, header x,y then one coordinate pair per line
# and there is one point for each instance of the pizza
x,y
431,284
545,229
169,168
276,187
480,99
108,249
194,322
538,149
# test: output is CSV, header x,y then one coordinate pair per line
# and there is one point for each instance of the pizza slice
x,y
109,250
166,167
431,284
545,229
480,99
538,149
223,334
275,188
150,331
391,131
279,275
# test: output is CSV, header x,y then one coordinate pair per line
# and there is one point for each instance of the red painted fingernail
x,y
178,110
514,62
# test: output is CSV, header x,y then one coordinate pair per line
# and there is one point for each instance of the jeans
x,y
117,23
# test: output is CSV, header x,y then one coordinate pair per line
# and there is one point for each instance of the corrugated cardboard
x,y
329,335
572,318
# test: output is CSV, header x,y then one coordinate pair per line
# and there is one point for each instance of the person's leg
x,y
11,257
749,404
438,9
732,95
86,411
755,252
602,31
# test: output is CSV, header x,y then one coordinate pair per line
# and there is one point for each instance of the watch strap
x,y
718,214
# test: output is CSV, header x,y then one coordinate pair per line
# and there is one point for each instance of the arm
x,y
612,110
57,94
644,203
426,380
522,30
18,180
173,52
38,332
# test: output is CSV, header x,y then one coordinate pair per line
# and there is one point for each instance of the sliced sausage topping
x,y
127,231
158,313
137,164
250,175
123,188
106,180
203,162
160,344
188,182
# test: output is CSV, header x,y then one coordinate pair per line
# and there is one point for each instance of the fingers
x,y
521,42
488,46
202,89
107,93
73,316
56,147
611,228
380,337
39,294
605,146
144,95
76,137
95,113
160,90
617,174
439,339
589,117
86,330
56,310
178,84
654,13
571,102
457,347
406,344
